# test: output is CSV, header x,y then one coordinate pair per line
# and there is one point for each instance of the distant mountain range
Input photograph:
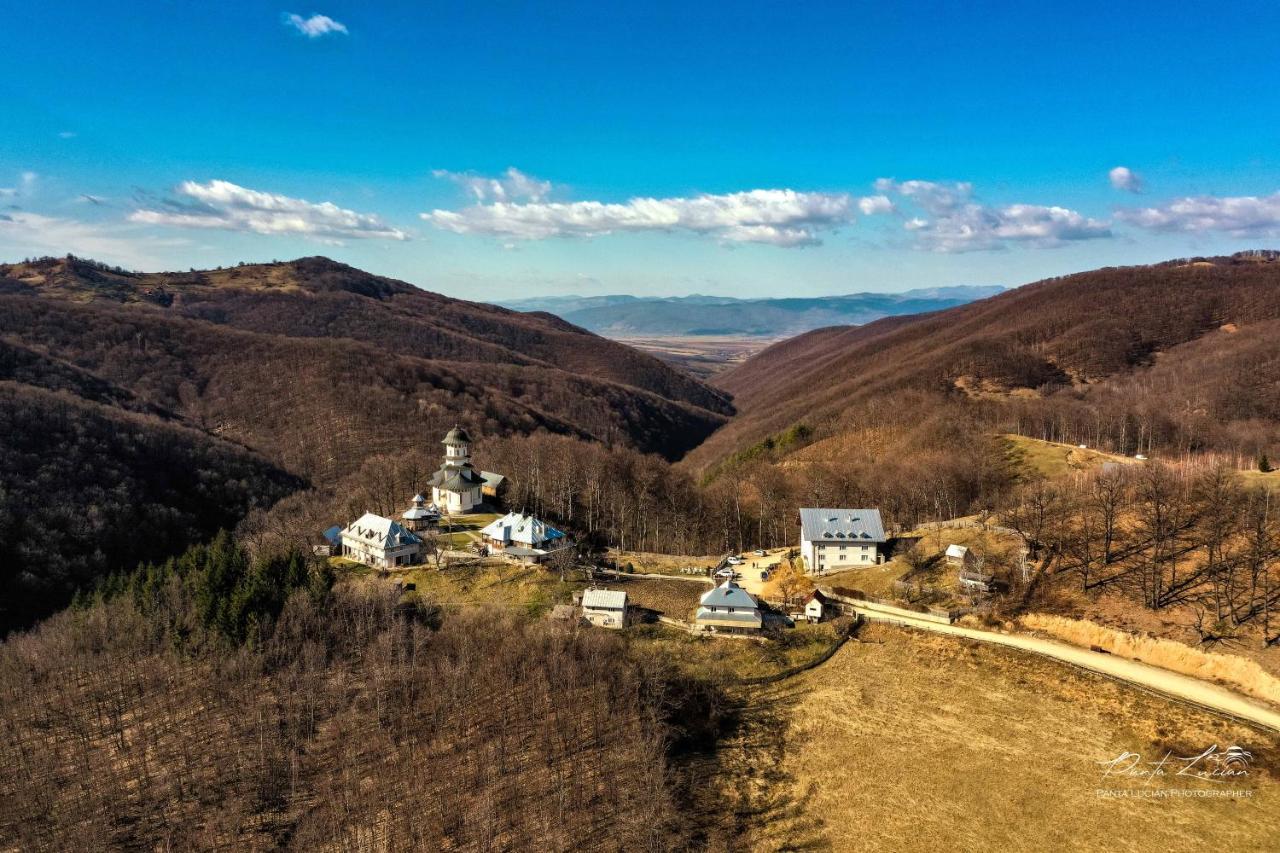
x,y
620,316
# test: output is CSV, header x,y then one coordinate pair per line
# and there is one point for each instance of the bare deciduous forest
x,y
219,702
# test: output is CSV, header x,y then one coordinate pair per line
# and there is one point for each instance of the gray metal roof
x,y
607,599
457,435
822,524
728,594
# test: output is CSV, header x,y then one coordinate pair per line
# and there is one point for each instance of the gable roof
x,y
521,528
380,532
821,524
608,599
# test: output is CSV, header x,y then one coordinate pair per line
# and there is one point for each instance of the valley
x,y
299,396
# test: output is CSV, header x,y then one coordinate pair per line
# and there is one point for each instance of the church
x,y
458,487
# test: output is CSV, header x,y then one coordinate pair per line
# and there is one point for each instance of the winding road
x,y
1183,687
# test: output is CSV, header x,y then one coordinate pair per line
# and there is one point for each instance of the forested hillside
x,y
239,385
217,702
1170,356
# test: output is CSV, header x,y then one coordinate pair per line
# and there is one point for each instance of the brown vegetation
x,y
355,721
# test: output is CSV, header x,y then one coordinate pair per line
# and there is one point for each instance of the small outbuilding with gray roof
x,y
832,540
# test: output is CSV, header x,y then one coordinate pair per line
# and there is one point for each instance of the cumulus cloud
x,y
1124,178
952,221
1242,216
315,26
513,185
873,204
224,205
515,206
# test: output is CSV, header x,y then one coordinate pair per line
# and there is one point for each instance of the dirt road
x,y
1143,675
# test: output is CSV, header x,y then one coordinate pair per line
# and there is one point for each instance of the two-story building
x,y
832,540
380,542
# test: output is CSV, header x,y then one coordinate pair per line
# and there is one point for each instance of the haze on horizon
x,y
660,149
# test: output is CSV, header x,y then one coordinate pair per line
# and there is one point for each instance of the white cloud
x,y
779,217
514,185
24,234
1124,178
954,222
224,205
873,204
315,26
1242,216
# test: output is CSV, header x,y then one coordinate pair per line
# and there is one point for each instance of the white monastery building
x,y
728,609
380,542
835,539
458,487
524,537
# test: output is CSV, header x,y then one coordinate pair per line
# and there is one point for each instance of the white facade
x,y
833,540
814,609
380,542
605,608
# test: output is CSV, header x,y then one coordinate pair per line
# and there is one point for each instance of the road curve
x,y
1184,687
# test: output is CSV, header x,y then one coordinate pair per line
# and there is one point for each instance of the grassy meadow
x,y
906,741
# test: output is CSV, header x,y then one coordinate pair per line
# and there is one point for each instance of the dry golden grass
x,y
909,741
1052,459
1238,672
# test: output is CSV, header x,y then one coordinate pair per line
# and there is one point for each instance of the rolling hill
x,y
1178,355
690,316
273,375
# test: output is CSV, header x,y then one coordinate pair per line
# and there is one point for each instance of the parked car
x,y
734,561
759,552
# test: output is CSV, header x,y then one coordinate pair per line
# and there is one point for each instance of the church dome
x,y
457,435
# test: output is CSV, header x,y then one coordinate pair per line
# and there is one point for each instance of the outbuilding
x,y
605,608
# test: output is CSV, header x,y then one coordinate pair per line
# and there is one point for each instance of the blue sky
x,y
505,150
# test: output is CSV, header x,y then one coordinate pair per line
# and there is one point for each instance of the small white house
x,y
832,540
380,542
816,607
605,608
728,608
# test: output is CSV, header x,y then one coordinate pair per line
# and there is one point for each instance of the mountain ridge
x,y
623,315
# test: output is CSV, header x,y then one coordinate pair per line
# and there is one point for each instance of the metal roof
x,y
728,594
457,435
518,527
606,599
822,524
382,532
956,550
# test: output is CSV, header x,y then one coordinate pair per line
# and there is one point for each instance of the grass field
x,y
907,741
501,584
1051,459
730,660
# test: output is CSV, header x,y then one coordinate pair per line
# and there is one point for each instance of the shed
x,y
605,608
